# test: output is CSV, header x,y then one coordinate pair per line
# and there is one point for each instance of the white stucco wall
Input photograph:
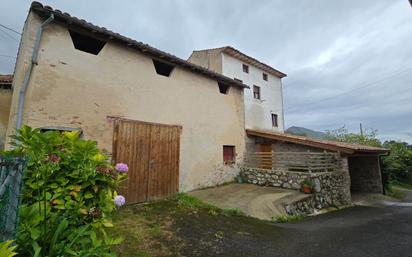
x,y
258,113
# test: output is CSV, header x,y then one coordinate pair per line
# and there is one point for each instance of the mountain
x,y
300,131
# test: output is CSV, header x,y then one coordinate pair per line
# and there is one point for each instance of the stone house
x,y
5,101
185,123
180,125
264,99
357,167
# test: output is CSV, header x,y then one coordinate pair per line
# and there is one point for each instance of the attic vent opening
x,y
5,86
86,44
162,68
223,89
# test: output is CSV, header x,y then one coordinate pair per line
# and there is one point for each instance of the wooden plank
x,y
152,152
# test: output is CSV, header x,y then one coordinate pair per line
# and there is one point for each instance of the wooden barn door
x,y
152,153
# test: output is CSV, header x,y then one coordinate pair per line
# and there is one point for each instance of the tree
x,y
368,137
398,165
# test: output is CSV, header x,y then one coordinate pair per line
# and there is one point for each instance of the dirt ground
x,y
182,227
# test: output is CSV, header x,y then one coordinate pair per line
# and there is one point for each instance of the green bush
x,y
6,249
68,196
397,166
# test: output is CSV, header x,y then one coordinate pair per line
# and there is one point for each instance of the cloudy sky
x,y
348,62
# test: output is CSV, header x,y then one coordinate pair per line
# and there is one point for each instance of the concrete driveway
x,y
255,201
352,232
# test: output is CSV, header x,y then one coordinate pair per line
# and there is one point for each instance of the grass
x,y
147,229
188,202
289,218
402,185
396,189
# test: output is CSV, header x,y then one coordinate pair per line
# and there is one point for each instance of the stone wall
x,y
365,174
330,188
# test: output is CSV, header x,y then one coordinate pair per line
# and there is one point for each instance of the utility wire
x,y
1,25
8,56
375,83
9,35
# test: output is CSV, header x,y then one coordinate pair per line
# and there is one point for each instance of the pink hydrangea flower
x,y
119,200
122,167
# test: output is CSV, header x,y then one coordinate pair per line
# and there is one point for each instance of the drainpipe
x,y
33,62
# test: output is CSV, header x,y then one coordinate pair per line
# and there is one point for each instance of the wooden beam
x,y
300,141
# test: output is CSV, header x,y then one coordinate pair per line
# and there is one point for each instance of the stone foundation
x,y
330,188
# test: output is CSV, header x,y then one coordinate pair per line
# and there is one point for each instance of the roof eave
x,y
67,19
252,61
317,144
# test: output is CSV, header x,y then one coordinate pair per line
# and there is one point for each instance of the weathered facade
x,y
263,99
6,93
73,89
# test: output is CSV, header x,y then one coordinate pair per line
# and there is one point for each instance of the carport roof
x,y
319,143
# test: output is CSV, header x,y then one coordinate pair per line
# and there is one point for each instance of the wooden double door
x,y
152,153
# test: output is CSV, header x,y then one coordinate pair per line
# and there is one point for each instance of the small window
x,y
86,44
229,154
265,76
238,80
274,120
245,68
223,89
256,92
162,68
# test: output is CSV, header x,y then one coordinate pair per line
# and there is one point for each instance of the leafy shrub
x,y
6,249
68,196
308,183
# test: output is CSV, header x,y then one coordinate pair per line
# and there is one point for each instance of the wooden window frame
x,y
275,122
229,154
245,68
256,92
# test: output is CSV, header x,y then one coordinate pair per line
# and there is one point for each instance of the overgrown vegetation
x,y
396,167
69,195
395,192
289,218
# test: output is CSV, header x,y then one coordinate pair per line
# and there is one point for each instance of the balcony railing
x,y
292,161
